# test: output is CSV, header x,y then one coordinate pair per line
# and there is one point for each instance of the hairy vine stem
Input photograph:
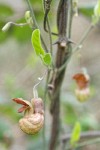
x,y
63,51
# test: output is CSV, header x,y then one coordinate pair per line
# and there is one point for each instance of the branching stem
x,y
77,47
83,38
63,50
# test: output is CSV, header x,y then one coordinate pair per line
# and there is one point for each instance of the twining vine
x,y
34,116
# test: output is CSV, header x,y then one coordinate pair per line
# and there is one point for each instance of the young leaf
x,y
97,9
47,59
96,16
75,134
29,18
36,43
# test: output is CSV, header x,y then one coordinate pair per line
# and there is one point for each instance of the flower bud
x,y
82,90
29,18
75,7
6,27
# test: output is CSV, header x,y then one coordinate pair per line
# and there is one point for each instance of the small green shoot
x,y
75,134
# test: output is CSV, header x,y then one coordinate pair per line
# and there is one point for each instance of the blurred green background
x,y
20,67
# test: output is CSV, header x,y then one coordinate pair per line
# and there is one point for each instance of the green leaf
x,y
75,134
47,59
36,43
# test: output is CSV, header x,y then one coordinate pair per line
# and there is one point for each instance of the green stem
x,y
83,38
45,95
50,35
18,24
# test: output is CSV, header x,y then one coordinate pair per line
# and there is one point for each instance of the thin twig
x,y
90,142
84,135
77,47
47,4
83,38
50,35
45,95
49,29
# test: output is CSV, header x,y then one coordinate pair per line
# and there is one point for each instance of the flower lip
x,y
80,76
23,108
25,104
81,79
20,101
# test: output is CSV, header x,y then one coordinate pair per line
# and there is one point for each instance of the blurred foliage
x,y
38,9
4,127
10,85
88,122
32,59
10,111
6,134
75,134
73,112
22,34
5,12
38,142
72,116
87,11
